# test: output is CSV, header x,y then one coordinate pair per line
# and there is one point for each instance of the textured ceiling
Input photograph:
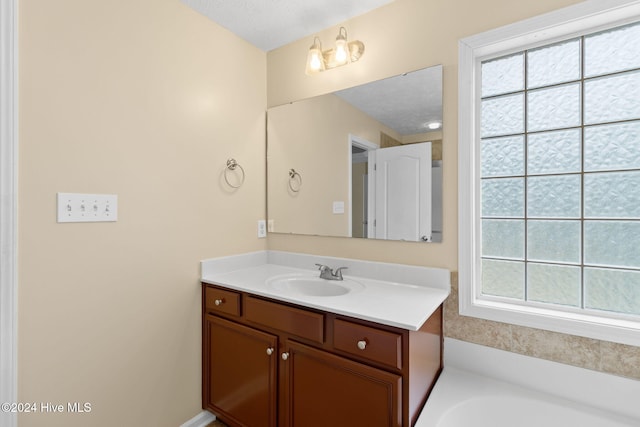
x,y
269,24
404,103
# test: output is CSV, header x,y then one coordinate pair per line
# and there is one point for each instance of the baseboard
x,y
200,420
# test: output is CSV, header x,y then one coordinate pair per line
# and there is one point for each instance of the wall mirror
x,y
361,162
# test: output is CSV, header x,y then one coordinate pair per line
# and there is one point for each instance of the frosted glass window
x,y
554,152
613,50
559,173
612,243
558,63
612,195
503,75
608,147
503,197
612,98
553,108
503,238
612,290
503,156
555,284
554,196
503,278
556,241
503,115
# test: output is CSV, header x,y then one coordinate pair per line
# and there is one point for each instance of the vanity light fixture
x,y
343,53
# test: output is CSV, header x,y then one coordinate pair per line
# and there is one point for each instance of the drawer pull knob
x,y
285,356
219,301
270,351
362,344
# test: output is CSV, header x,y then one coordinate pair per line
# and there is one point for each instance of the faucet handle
x,y
338,272
322,267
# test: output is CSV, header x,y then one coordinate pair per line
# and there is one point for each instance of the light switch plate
x,y
75,207
338,207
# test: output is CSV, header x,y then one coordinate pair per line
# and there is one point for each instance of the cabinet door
x,y
328,390
240,373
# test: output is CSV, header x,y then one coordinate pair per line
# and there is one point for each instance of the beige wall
x,y
403,36
137,98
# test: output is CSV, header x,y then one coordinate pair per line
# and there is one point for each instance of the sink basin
x,y
312,286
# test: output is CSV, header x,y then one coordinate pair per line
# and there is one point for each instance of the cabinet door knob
x,y
362,344
219,301
285,356
270,351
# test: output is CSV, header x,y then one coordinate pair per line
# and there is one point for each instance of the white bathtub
x,y
483,387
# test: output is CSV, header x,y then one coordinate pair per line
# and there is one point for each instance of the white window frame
x,y
8,208
572,21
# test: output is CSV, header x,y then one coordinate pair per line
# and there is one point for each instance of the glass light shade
x,y
315,60
341,54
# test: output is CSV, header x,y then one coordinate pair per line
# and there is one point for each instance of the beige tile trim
x,y
612,358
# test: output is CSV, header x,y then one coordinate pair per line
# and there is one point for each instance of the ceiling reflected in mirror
x,y
410,103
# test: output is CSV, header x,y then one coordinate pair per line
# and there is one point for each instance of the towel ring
x,y
231,166
292,178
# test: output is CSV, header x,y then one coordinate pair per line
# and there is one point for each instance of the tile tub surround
x,y
597,355
397,295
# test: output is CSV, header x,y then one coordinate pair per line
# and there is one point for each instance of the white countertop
x,y
406,305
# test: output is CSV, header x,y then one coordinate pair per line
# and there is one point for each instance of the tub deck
x,y
485,387
462,399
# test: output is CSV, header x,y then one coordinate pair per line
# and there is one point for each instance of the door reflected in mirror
x,y
368,161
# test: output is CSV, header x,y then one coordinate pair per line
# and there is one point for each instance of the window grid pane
x,y
592,155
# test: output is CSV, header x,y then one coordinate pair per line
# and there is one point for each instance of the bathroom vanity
x,y
275,356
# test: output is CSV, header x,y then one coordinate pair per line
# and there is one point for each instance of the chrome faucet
x,y
327,273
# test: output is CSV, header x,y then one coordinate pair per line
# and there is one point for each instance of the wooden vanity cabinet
x,y
328,390
240,372
268,363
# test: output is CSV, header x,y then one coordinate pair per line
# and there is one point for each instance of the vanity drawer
x,y
367,342
222,301
303,323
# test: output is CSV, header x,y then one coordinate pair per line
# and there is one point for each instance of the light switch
x,y
338,207
75,207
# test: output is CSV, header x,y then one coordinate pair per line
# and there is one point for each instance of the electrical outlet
x,y
74,207
262,228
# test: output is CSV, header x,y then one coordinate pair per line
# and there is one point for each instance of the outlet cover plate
x,y
262,228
